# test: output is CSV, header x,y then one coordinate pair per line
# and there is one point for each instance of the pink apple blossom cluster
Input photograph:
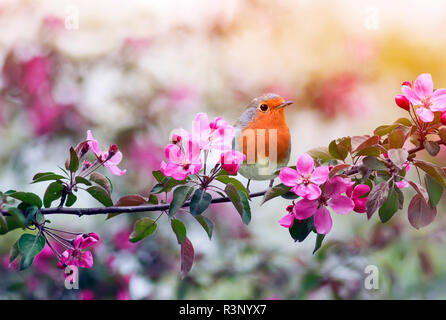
x,y
189,151
319,193
75,256
422,95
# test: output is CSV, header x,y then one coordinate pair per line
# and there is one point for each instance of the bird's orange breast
x,y
261,129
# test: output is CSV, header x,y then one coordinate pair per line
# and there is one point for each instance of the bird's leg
x,y
247,185
271,183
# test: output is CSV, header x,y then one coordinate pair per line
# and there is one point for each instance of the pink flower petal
x,y
304,209
341,204
287,221
425,114
335,186
360,190
322,221
305,164
309,192
93,144
320,175
114,169
423,85
360,205
289,177
402,184
411,95
173,153
438,100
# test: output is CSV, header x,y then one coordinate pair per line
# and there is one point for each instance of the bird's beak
x,y
284,104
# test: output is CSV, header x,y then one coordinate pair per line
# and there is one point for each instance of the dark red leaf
x,y
187,257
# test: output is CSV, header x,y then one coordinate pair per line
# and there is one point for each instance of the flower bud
x,y
87,164
402,102
112,151
443,118
176,138
407,83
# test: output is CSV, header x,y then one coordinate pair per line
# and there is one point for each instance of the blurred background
x,y
134,70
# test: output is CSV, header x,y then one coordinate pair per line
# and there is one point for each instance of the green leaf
x,y
152,199
74,161
404,121
180,196
246,215
143,228
27,197
340,148
374,151
30,213
29,247
179,229
301,229
433,170
102,181
101,195
10,223
158,175
274,192
389,207
200,202
320,237
237,184
373,163
82,180
434,189
207,224
14,252
48,177
321,153
17,216
42,174
383,130
167,185
53,192
71,199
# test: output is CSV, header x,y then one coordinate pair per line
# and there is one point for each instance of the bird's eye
x,y
263,107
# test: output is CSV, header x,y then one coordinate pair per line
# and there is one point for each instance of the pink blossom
x,y
423,94
288,220
355,194
45,115
305,180
36,75
75,257
123,294
230,160
217,134
183,159
403,183
86,294
110,158
332,198
84,240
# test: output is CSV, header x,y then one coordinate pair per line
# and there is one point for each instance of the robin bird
x,y
262,134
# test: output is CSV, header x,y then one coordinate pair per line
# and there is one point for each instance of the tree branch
x,y
104,210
